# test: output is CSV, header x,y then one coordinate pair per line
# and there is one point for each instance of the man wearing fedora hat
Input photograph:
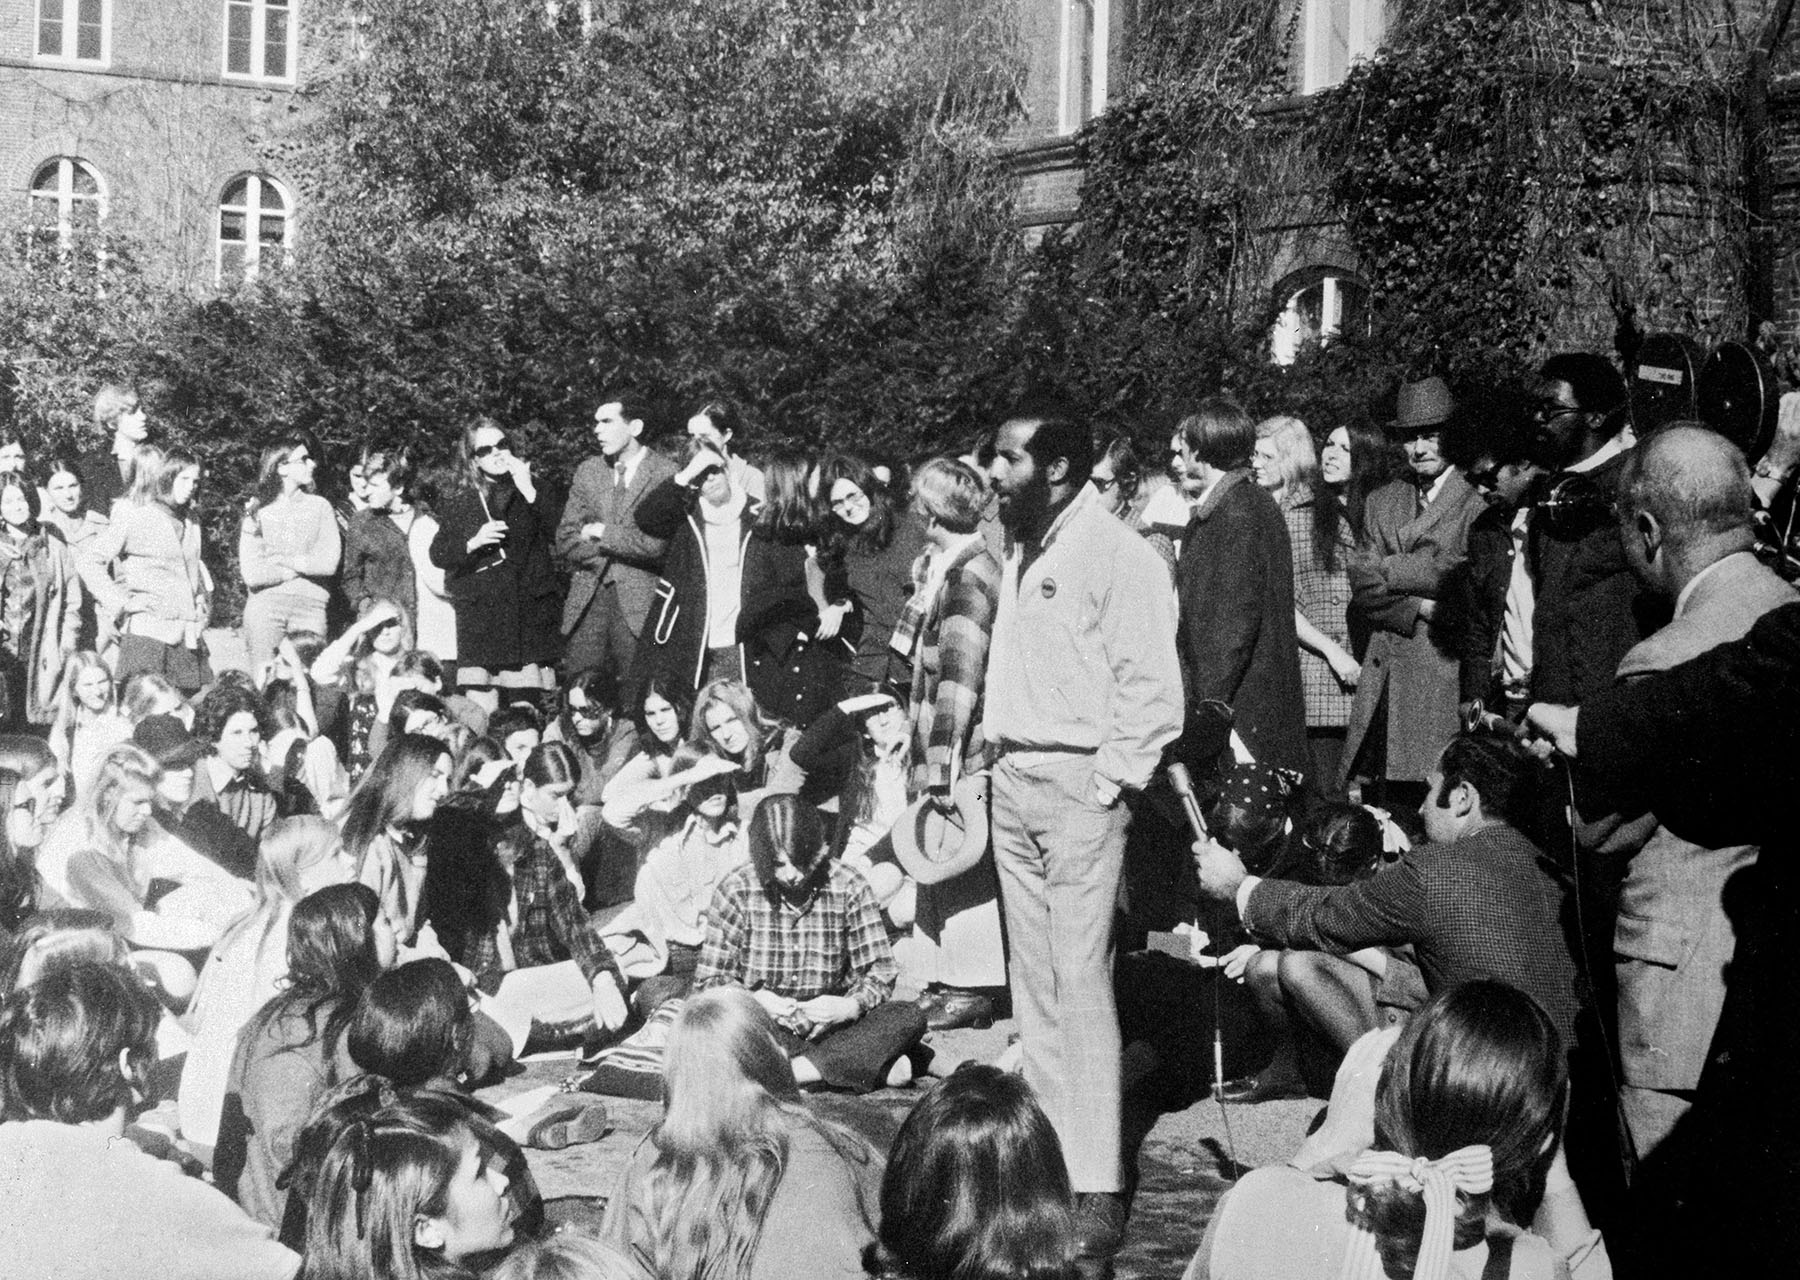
x,y
1416,531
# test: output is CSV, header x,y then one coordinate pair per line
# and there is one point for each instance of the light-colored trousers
x,y
1059,856
548,993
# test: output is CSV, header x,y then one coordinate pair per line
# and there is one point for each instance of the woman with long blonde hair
x,y
740,1180
248,963
87,722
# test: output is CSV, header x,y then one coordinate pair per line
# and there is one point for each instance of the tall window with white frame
x,y
67,203
1085,26
1335,35
261,39
256,227
74,31
1320,305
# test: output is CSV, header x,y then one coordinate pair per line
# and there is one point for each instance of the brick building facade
x,y
1681,265
152,114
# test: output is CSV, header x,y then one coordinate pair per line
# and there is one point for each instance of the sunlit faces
x,y
1105,479
715,486
544,803
886,727
133,809
1334,458
427,721
490,451
477,1217
701,427
238,741
1189,471
182,491
1265,464
15,507
175,786
1424,455
359,484
36,803
133,423
12,458
710,799
611,429
64,491
661,719
387,638
588,717
730,735
297,468
849,503
378,492
520,743
1013,470
431,790
93,689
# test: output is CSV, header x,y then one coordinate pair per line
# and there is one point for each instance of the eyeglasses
x,y
849,500
488,450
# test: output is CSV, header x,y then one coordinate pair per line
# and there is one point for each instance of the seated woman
x,y
87,723
644,793
729,723
503,904
1466,1137
739,1177
293,1049
976,1187
416,1028
250,960
414,1189
384,829
359,669
107,852
82,1200
657,937
31,791
802,933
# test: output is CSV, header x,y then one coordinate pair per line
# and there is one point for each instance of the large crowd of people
x,y
769,772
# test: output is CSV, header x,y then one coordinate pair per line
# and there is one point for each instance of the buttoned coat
x,y
1235,584
1405,558
625,556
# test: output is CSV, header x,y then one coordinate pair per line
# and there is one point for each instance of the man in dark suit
x,y
612,563
1235,584
1478,901
1415,532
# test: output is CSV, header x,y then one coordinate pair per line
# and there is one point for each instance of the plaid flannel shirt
x,y
551,925
834,945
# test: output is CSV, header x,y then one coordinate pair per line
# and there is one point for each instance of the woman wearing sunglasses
x,y
493,545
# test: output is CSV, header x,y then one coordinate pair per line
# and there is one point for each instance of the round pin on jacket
x,y
1049,587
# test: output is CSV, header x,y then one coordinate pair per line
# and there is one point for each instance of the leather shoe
x,y
950,1009
1099,1223
1249,1090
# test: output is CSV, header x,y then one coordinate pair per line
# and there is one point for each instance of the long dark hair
x,y
268,471
976,1188
1340,511
18,869
1481,1063
877,531
788,514
331,960
678,696
384,795
413,1025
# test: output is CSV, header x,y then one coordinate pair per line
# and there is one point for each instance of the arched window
x,y
1334,36
67,204
75,30
261,39
255,227
1319,305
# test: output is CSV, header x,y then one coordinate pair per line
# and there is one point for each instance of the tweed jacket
x,y
1235,583
1673,941
1489,905
625,556
1323,595
949,670
1404,559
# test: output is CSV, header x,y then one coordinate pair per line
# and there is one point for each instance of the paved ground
x,y
1183,1164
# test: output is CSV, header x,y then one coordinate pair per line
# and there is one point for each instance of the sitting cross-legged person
x,y
804,934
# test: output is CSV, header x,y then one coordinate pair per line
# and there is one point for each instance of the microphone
x,y
1183,784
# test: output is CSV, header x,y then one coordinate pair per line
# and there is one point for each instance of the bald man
x,y
1685,522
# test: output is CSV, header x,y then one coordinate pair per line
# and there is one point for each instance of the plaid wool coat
x,y
949,668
